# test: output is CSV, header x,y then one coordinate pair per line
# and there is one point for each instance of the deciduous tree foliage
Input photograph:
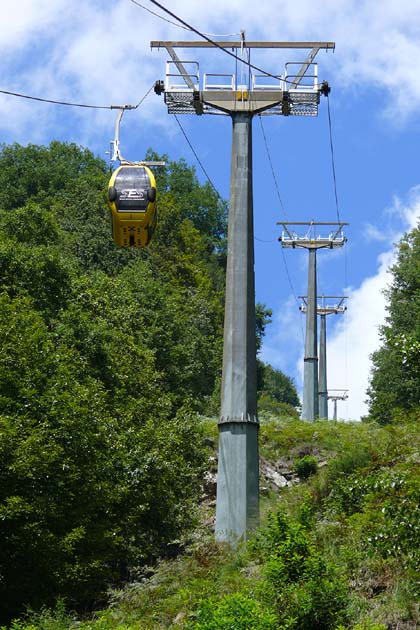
x,y
395,380
104,356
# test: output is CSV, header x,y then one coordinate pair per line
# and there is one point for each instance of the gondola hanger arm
x,y
115,143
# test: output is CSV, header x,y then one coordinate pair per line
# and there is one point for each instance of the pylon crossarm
x,y
239,44
307,242
310,239
341,394
323,308
294,93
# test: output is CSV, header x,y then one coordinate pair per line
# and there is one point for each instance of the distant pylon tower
x,y
324,309
311,241
337,396
240,96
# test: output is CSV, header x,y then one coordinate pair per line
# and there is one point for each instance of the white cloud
x,y
357,335
99,53
27,20
373,233
285,338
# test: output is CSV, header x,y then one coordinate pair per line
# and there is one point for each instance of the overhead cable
x,y
211,41
196,157
289,279
186,28
159,16
48,100
332,159
69,104
272,167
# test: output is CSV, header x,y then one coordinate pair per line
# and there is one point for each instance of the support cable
x,y
289,279
144,97
197,158
48,100
293,292
186,28
345,249
215,44
332,159
272,167
70,104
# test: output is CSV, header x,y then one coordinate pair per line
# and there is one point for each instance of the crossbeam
x,y
309,240
242,44
323,308
343,396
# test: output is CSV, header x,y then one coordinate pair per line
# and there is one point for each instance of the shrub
x,y
307,591
348,495
306,466
395,530
267,404
237,611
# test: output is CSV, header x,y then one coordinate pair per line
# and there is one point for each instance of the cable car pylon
x,y
311,241
294,93
323,309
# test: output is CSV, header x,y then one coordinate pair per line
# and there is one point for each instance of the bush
x,y
306,466
83,497
306,590
348,494
236,611
270,405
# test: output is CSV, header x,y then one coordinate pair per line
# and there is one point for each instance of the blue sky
x,y
98,52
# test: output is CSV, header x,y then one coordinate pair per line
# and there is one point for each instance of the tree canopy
x,y
395,380
105,356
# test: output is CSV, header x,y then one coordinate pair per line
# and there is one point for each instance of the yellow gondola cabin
x,y
132,200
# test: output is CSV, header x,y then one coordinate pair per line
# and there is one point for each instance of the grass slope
x,y
339,550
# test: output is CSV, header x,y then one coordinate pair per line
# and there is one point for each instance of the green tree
x,y
36,173
274,385
262,319
395,378
105,354
90,485
199,203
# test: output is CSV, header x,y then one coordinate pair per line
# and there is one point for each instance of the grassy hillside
x,y
338,546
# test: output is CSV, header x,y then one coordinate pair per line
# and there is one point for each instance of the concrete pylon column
x,y
237,504
323,390
310,368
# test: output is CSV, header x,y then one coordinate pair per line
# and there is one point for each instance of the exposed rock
x,y
179,618
276,478
210,484
269,473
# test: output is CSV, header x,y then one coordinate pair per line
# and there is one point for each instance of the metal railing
x,y
306,82
228,84
270,84
179,81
